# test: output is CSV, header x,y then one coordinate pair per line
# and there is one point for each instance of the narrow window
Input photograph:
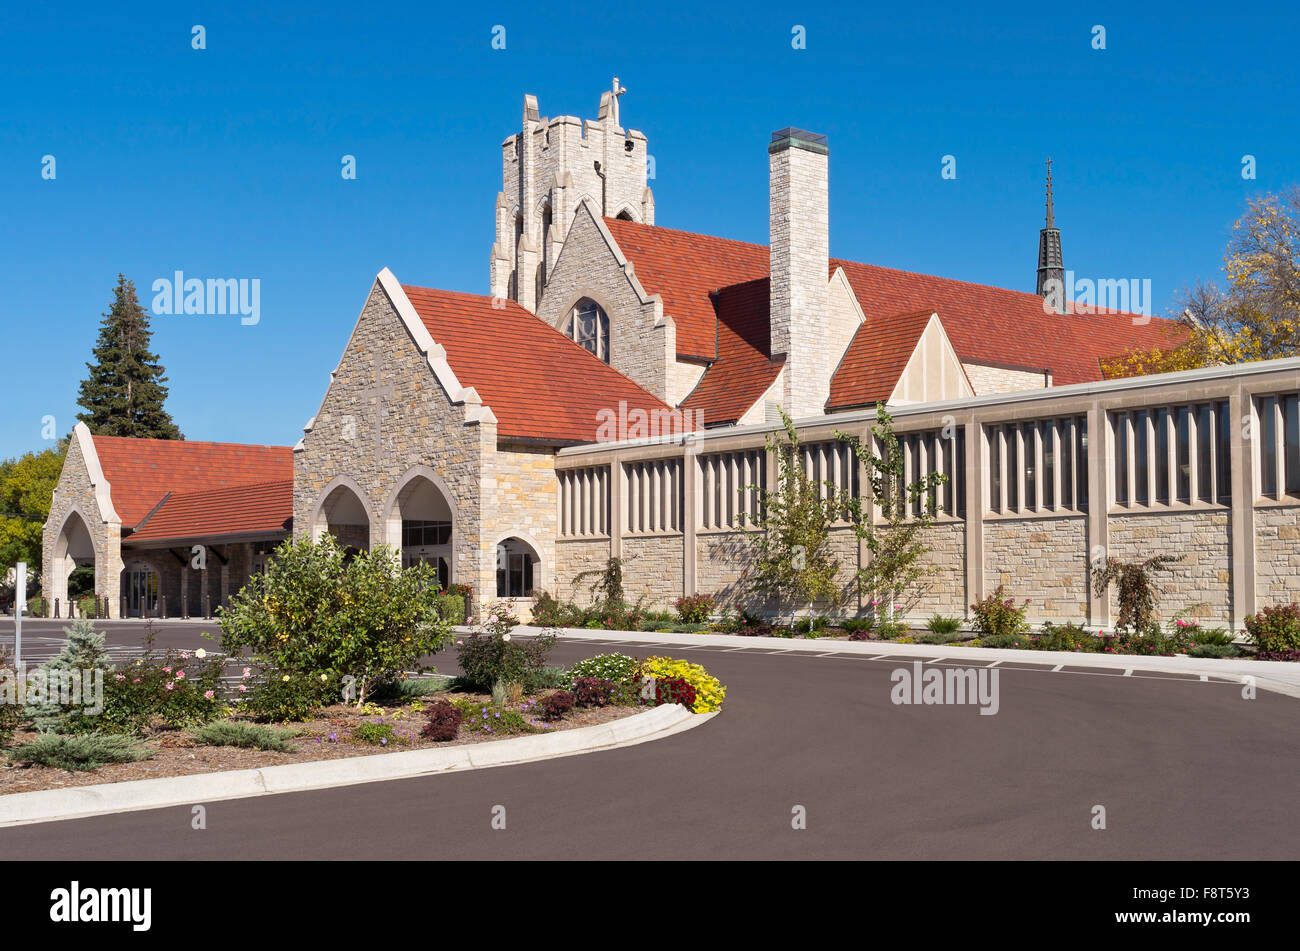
x,y
1291,416
1121,460
1204,444
995,469
1183,449
1268,446
1141,459
1161,460
1224,470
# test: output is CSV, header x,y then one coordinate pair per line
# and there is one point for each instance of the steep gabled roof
x,y
683,268
744,369
140,472
985,324
997,326
235,510
876,358
539,384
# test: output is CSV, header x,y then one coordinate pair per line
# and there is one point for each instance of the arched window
x,y
589,327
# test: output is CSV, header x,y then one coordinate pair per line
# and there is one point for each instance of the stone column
x,y
1242,517
977,481
1099,462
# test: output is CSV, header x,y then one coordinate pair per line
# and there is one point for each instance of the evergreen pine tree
x,y
83,651
124,394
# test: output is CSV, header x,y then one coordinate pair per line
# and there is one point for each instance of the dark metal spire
x,y
1051,269
1051,224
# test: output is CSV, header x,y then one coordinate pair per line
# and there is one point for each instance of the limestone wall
x,y
1201,582
1277,555
1042,559
417,430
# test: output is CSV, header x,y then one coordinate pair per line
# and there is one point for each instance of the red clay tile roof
x,y
993,325
984,324
682,268
744,370
538,382
875,359
234,510
140,472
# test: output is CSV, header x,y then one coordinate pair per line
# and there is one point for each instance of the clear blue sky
x,y
225,162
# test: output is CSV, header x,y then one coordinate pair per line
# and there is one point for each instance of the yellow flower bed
x,y
709,692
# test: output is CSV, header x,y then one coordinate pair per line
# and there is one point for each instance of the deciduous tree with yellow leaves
x,y
1256,316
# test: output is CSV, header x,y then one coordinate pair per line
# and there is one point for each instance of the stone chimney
x,y
799,249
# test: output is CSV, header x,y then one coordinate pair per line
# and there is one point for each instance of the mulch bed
x,y
176,754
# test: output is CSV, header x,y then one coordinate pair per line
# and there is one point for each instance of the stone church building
x,y
611,394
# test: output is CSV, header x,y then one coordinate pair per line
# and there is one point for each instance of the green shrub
x,y
549,611
87,751
998,615
1215,636
290,698
854,625
244,735
282,700
36,606
1016,641
11,716
889,630
88,607
1215,650
547,678
451,607
941,624
313,610
490,655
1276,628
930,637
1063,637
618,668
494,719
377,733
695,609
412,688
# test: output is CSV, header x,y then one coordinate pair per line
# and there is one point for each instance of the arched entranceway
x,y
421,523
342,513
74,552
519,569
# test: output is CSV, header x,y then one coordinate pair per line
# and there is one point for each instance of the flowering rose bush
x,y
182,688
314,611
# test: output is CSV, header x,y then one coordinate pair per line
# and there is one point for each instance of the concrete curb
x,y
52,805
1277,676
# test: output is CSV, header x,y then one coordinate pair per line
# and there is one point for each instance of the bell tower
x,y
548,169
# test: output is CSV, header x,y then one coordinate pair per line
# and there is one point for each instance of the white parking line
x,y
1128,672
1057,668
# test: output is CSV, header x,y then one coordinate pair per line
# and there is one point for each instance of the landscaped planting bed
x,y
332,734
315,663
